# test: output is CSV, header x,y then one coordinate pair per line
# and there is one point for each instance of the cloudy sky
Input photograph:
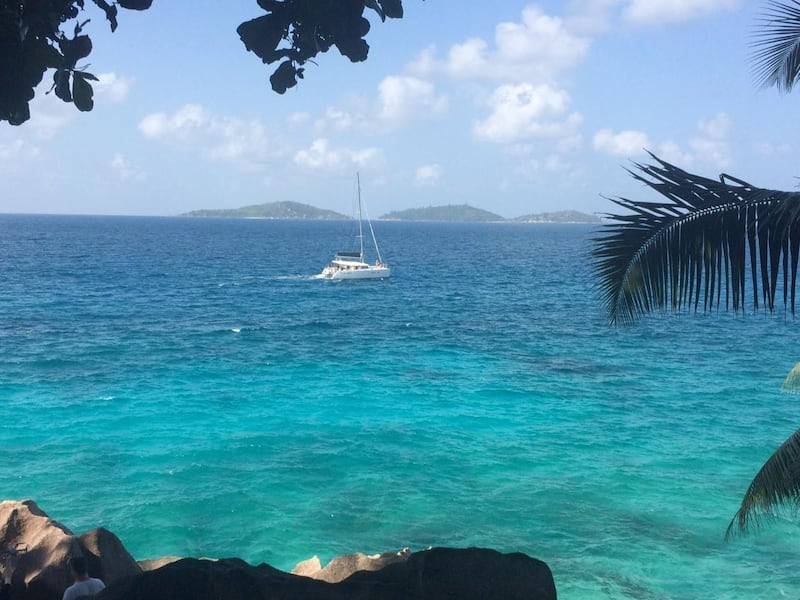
x,y
510,106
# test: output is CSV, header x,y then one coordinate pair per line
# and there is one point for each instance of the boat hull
x,y
368,273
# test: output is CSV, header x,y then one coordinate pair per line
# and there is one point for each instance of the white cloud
x,y
667,12
187,120
17,150
555,162
366,157
624,143
589,16
217,138
321,156
299,118
551,163
126,170
711,145
428,175
525,111
716,127
536,49
402,99
339,119
708,146
112,88
16,155
569,143
671,152
49,114
771,150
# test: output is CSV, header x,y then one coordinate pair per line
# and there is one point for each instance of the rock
x,y
342,567
106,556
308,568
465,574
152,564
41,571
437,573
224,579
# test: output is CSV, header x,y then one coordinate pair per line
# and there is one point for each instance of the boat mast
x,y
374,240
369,222
360,229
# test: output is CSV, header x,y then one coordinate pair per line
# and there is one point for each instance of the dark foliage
x,y
701,247
37,36
776,484
295,31
777,46
41,35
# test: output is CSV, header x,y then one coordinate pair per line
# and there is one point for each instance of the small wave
x,y
296,277
236,329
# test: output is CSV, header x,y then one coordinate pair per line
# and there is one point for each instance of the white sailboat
x,y
352,264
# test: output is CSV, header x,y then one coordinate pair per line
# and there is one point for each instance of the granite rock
x,y
40,570
436,573
342,567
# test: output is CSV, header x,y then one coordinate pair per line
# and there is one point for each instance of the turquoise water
x,y
189,385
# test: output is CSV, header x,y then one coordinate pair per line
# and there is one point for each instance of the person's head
x,y
77,565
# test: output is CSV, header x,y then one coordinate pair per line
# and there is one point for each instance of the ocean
x,y
189,385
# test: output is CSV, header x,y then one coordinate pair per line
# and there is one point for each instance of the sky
x,y
511,106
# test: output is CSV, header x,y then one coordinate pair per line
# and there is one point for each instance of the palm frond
x,y
776,485
776,49
696,248
791,384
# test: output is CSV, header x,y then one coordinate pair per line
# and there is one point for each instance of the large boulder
x,y
106,557
44,546
224,579
463,574
437,573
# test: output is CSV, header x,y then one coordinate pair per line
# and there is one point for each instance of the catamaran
x,y
352,264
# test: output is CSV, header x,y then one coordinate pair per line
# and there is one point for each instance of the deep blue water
x,y
189,385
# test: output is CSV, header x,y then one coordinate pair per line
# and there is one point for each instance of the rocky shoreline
x,y
36,548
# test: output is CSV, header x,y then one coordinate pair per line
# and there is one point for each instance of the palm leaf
x,y
777,484
776,49
700,248
792,382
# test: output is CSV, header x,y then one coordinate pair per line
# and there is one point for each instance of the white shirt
x,y
88,587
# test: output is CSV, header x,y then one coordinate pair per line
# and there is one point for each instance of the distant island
x,y
451,212
456,213
561,216
271,210
464,213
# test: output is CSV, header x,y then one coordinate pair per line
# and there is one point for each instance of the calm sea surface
x,y
189,385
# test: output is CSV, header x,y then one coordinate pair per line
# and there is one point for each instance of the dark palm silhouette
x,y
777,45
708,245
716,245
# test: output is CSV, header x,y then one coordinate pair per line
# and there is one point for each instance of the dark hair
x,y
78,564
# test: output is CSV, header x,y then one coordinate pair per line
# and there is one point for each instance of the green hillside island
x,y
455,213
465,213
561,216
271,210
450,212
